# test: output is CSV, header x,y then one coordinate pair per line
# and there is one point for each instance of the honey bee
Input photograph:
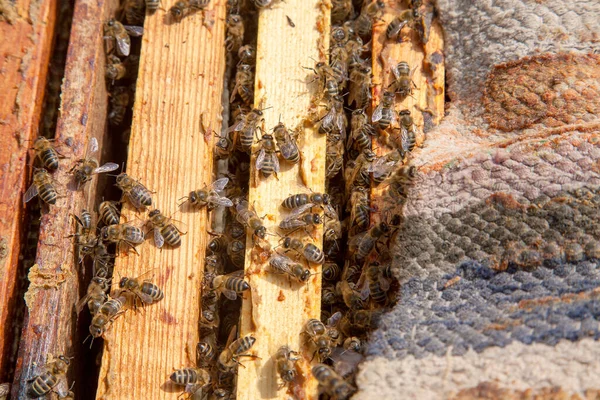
x,y
235,33
194,379
46,153
133,11
248,217
223,146
403,83
101,259
164,230
116,36
109,213
302,199
332,383
122,233
86,167
332,228
236,250
382,167
205,353
281,264
234,350
183,8
341,10
52,379
360,215
362,131
357,173
105,315
364,22
288,147
246,126
117,69
285,360
408,135
309,251
384,112
209,196
397,24
120,99
328,295
334,121
317,334
352,296
146,292
244,84
326,77
230,285
360,86
334,160
379,284
135,192
43,186
363,243
331,271
247,55
95,295
267,161
299,218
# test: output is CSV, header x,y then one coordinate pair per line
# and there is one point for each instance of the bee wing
x,y
356,239
30,193
340,122
62,388
300,210
230,294
219,184
404,140
159,240
242,206
134,30
106,168
291,223
275,162
237,126
384,283
219,200
334,319
236,274
135,201
145,297
260,160
93,146
123,45
328,118
81,303
378,113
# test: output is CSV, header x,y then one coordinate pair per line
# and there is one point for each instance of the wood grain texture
x,y
426,103
26,29
50,320
277,309
180,78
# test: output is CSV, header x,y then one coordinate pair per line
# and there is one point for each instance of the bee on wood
x,y
395,26
332,383
122,233
328,84
95,295
135,192
244,84
120,100
230,285
299,217
246,129
234,350
164,230
341,10
281,264
288,147
267,161
235,33
183,8
378,283
309,251
408,133
285,360
194,379
334,121
109,212
52,379
133,11
146,292
363,24
360,86
105,315
43,186
209,196
301,199
403,83
382,167
317,334
363,243
46,153
86,167
334,156
116,36
248,217
247,55
384,112
362,131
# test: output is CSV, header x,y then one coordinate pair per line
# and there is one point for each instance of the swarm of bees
x,y
357,280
